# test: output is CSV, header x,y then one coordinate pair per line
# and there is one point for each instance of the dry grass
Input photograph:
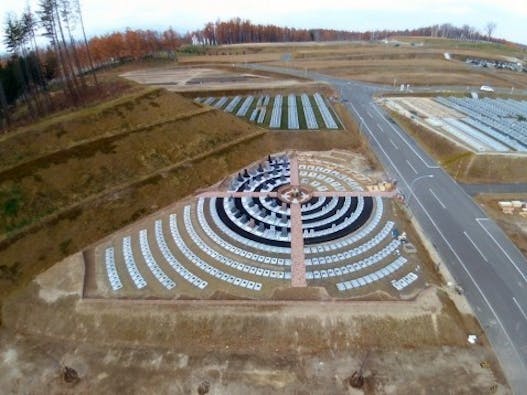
x,y
380,63
116,178
318,344
464,165
513,225
71,197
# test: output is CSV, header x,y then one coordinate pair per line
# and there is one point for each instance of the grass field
x,y
420,64
107,166
462,164
71,180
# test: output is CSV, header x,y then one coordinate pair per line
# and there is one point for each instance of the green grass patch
x,y
333,113
237,106
269,111
316,111
11,201
301,116
64,245
285,107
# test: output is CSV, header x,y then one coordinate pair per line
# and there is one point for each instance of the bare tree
x,y
14,39
78,10
30,26
69,18
50,23
490,27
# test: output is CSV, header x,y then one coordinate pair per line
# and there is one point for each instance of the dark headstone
x,y
203,388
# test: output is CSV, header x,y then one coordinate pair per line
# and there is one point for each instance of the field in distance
x,y
415,61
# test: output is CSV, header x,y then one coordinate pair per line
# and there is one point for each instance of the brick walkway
x,y
298,266
390,194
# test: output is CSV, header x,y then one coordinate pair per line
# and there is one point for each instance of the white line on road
x,y
476,247
391,141
444,239
434,195
500,247
369,113
519,307
411,167
407,143
513,349
380,127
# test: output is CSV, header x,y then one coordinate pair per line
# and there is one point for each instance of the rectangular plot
x,y
324,111
309,114
292,114
261,117
233,103
276,114
220,103
245,106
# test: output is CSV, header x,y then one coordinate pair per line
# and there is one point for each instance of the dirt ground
x,y
463,164
197,79
414,65
415,61
67,202
108,166
514,226
242,347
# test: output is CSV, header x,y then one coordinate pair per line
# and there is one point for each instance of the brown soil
x,y
238,347
67,203
514,226
462,164
416,66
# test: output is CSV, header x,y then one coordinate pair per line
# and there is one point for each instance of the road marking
x,y
447,242
500,247
434,195
519,307
369,113
476,247
380,127
391,141
407,143
411,167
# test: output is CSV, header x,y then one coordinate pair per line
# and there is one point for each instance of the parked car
x,y
486,88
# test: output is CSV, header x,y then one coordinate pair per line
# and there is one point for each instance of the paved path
x,y
298,264
384,194
489,267
295,177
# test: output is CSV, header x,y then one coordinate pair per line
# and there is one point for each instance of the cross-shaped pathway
x,y
298,267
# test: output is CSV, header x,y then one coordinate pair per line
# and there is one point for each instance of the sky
x,y
104,16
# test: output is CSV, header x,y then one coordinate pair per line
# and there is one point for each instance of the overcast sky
x,y
103,16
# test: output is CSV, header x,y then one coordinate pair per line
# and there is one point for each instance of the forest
x,y
45,78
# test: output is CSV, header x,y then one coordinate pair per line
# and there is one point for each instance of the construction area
x,y
252,237
480,125
171,244
298,112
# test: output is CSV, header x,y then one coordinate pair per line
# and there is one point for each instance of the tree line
x,y
26,75
70,61
238,31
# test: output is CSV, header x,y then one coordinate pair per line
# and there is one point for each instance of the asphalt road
x,y
474,189
489,267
